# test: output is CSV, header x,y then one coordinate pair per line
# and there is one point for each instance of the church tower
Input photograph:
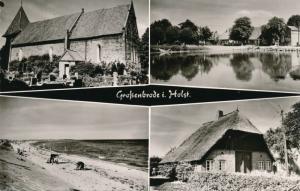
x,y
18,24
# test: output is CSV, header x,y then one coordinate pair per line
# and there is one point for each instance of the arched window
x,y
99,53
51,54
20,55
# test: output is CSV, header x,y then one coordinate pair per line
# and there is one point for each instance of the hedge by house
x,y
204,181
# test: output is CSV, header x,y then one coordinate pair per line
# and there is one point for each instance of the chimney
x,y
220,114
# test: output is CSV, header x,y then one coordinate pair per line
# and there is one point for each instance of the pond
x,y
278,71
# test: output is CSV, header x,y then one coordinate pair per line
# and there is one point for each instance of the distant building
x,y
102,35
255,37
224,39
294,36
230,144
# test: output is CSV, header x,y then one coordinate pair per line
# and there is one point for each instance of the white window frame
x,y
222,165
268,165
209,164
261,165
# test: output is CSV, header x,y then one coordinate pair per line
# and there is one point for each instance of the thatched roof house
x,y
230,143
103,35
255,36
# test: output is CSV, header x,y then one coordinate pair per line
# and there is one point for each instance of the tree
x,y
158,31
274,31
189,24
294,20
4,56
205,33
292,125
144,50
187,36
241,30
188,32
291,128
172,34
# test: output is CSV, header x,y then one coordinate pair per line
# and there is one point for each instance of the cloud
x,y
254,13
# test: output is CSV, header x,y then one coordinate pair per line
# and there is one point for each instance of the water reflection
x,y
277,66
242,66
237,70
164,67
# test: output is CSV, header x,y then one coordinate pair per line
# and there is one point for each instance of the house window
x,y
268,165
209,165
221,165
261,165
99,53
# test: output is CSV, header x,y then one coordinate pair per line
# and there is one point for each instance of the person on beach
x,y
79,165
53,159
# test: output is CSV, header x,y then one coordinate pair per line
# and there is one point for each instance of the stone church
x,y
104,35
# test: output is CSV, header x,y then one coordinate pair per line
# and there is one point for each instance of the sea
x,y
127,152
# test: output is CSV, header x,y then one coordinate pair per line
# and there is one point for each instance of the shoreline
x,y
123,164
97,174
215,49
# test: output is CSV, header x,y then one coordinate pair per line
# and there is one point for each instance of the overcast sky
x,y
220,14
46,9
48,119
170,126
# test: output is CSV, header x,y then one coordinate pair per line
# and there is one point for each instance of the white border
x,y
226,88
228,101
73,101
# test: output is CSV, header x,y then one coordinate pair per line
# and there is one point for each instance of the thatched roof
x,y
201,141
18,24
90,24
255,33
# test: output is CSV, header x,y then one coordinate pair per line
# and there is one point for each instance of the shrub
x,y
34,64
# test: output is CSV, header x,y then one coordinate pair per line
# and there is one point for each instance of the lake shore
x,y
221,48
98,174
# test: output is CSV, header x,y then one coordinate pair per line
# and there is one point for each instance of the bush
x,y
243,182
34,64
204,181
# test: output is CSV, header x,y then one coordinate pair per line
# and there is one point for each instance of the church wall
x,y
57,49
111,48
107,49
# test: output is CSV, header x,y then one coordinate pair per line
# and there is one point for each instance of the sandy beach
x,y
35,174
